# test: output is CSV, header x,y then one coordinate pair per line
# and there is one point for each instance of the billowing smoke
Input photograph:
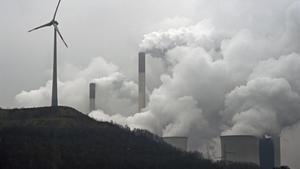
x,y
115,92
228,74
242,80
158,43
263,105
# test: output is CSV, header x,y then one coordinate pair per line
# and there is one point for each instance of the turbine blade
x,y
45,25
61,37
56,10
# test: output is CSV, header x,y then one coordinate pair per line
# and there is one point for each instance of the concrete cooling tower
x,y
177,142
264,151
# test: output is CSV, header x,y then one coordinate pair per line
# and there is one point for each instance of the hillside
x,y
63,138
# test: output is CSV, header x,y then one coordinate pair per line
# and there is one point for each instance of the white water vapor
x,y
115,92
225,79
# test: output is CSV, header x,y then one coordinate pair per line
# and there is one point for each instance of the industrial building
x,y
180,143
263,151
177,142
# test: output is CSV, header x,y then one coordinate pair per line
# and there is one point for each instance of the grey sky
x,y
111,29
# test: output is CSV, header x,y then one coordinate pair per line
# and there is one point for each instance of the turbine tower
x,y
54,23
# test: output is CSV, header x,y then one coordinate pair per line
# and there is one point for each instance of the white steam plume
x,y
115,93
222,81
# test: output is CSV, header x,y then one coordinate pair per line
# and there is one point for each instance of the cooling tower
x,y
142,81
240,148
178,142
92,97
264,151
277,153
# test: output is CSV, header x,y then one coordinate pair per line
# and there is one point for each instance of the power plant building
x,y
177,142
264,151
142,80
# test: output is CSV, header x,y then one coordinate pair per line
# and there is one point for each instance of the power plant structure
x,y
92,97
180,143
141,85
263,151
142,80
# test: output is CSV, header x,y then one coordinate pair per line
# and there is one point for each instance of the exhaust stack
x,y
92,97
142,81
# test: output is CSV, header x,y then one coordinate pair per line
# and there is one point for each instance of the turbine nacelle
x,y
53,23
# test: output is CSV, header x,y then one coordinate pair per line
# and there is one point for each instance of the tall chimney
x,y
92,97
142,81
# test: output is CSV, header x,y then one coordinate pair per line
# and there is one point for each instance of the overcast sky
x,y
230,63
110,29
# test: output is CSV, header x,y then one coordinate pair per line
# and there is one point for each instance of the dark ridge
x,y
64,138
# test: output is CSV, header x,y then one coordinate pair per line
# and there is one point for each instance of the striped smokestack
x,y
142,81
92,97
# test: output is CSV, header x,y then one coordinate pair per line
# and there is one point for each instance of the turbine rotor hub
x,y
55,23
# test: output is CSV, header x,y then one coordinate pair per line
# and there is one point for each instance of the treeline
x,y
31,144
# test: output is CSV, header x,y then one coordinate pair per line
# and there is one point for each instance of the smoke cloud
x,y
115,93
224,79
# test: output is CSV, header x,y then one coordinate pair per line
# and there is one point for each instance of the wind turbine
x,y
54,23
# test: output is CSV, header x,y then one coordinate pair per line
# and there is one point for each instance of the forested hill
x,y
63,138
